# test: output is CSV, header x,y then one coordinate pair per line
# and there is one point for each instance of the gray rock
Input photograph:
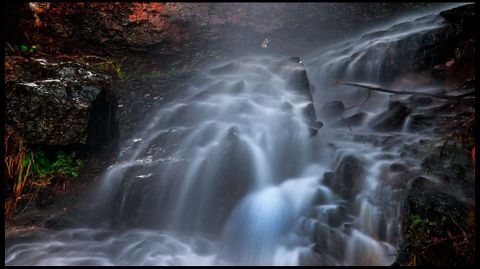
x,y
332,110
354,120
297,81
397,167
419,122
392,119
420,100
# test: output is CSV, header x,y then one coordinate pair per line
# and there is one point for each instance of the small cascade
x,y
239,171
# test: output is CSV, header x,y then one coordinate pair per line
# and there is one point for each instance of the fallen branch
x,y
373,88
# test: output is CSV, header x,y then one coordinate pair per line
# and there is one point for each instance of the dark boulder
x,y
420,100
354,120
60,104
392,119
297,81
397,167
419,122
464,14
348,178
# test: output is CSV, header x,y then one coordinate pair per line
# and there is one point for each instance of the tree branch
x,y
374,88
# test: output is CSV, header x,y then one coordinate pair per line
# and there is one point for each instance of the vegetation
x,y
437,234
30,49
27,167
111,65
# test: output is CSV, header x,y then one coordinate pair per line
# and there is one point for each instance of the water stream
x,y
230,174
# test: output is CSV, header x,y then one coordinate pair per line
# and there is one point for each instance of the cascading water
x,y
231,174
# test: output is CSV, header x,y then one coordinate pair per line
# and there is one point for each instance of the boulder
x,y
354,120
392,119
420,100
297,81
60,104
347,180
419,122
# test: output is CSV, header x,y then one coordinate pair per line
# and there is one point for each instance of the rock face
x,y
59,103
166,28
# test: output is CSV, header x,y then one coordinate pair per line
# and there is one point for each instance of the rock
x,y
464,14
332,110
392,119
60,104
420,100
227,68
397,167
297,81
166,28
348,178
430,212
45,197
419,122
354,120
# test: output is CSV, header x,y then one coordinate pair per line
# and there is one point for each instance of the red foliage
x,y
150,12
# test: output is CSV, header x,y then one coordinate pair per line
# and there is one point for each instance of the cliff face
x,y
167,28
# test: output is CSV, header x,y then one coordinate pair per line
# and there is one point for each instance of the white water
x,y
229,174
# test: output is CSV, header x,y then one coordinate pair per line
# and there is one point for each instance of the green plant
x,y
32,167
64,164
416,219
30,49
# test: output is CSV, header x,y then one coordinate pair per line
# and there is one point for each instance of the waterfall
x,y
237,170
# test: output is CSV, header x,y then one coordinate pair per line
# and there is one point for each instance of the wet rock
x,y
332,110
227,68
392,119
286,106
58,222
296,74
420,100
464,14
347,180
45,197
397,167
60,104
419,122
297,81
354,120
